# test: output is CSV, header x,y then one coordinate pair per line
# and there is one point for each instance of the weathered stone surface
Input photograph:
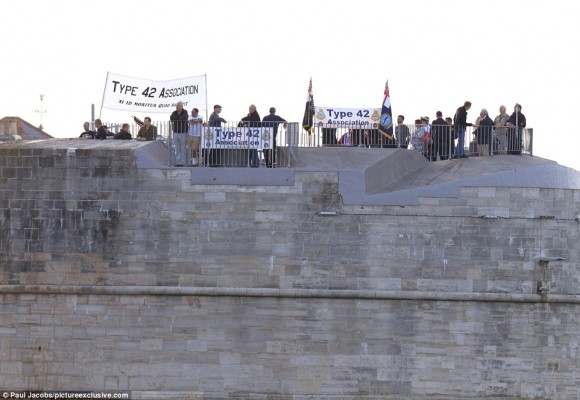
x,y
308,305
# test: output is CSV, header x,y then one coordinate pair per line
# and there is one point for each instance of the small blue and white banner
x,y
236,138
368,117
127,93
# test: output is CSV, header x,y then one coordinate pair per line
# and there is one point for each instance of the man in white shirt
x,y
194,135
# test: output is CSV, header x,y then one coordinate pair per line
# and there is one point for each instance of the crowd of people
x,y
444,138
440,139
187,131
146,131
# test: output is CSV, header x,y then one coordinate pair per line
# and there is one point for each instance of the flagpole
x,y
103,99
205,79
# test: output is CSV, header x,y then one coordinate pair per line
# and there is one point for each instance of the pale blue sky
x,y
435,54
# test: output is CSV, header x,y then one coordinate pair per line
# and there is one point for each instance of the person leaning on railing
x,y
147,131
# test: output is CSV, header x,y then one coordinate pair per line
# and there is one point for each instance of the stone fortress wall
x,y
116,277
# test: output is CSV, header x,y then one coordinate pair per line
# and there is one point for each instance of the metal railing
x,y
232,145
436,142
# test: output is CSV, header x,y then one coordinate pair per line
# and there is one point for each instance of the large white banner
x,y
141,95
368,117
236,138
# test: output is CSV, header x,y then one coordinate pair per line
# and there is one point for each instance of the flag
x,y
386,124
308,120
138,121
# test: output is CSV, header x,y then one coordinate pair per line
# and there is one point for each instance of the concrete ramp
x,y
154,154
402,177
383,176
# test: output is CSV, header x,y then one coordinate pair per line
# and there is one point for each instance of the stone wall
x,y
116,277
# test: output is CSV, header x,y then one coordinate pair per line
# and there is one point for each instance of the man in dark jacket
x,y
272,121
402,132
515,124
460,123
484,134
252,120
441,135
124,133
101,130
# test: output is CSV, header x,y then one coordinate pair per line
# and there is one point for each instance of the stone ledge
x,y
288,293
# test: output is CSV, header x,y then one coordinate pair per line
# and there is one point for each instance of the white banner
x,y
140,95
236,138
369,117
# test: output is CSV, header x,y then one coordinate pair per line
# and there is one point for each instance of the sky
x,y
435,55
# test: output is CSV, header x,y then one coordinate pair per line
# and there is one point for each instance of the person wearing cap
x,y
460,123
214,118
211,155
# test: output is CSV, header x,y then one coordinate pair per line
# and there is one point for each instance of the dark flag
x,y
386,124
308,120
138,121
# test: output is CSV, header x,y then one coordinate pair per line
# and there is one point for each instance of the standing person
x,y
147,131
87,134
515,124
427,139
402,132
460,123
416,141
194,135
214,121
452,135
272,121
179,126
484,134
500,130
101,130
252,120
441,136
124,133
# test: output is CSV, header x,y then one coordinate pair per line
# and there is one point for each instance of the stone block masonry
x,y
114,277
